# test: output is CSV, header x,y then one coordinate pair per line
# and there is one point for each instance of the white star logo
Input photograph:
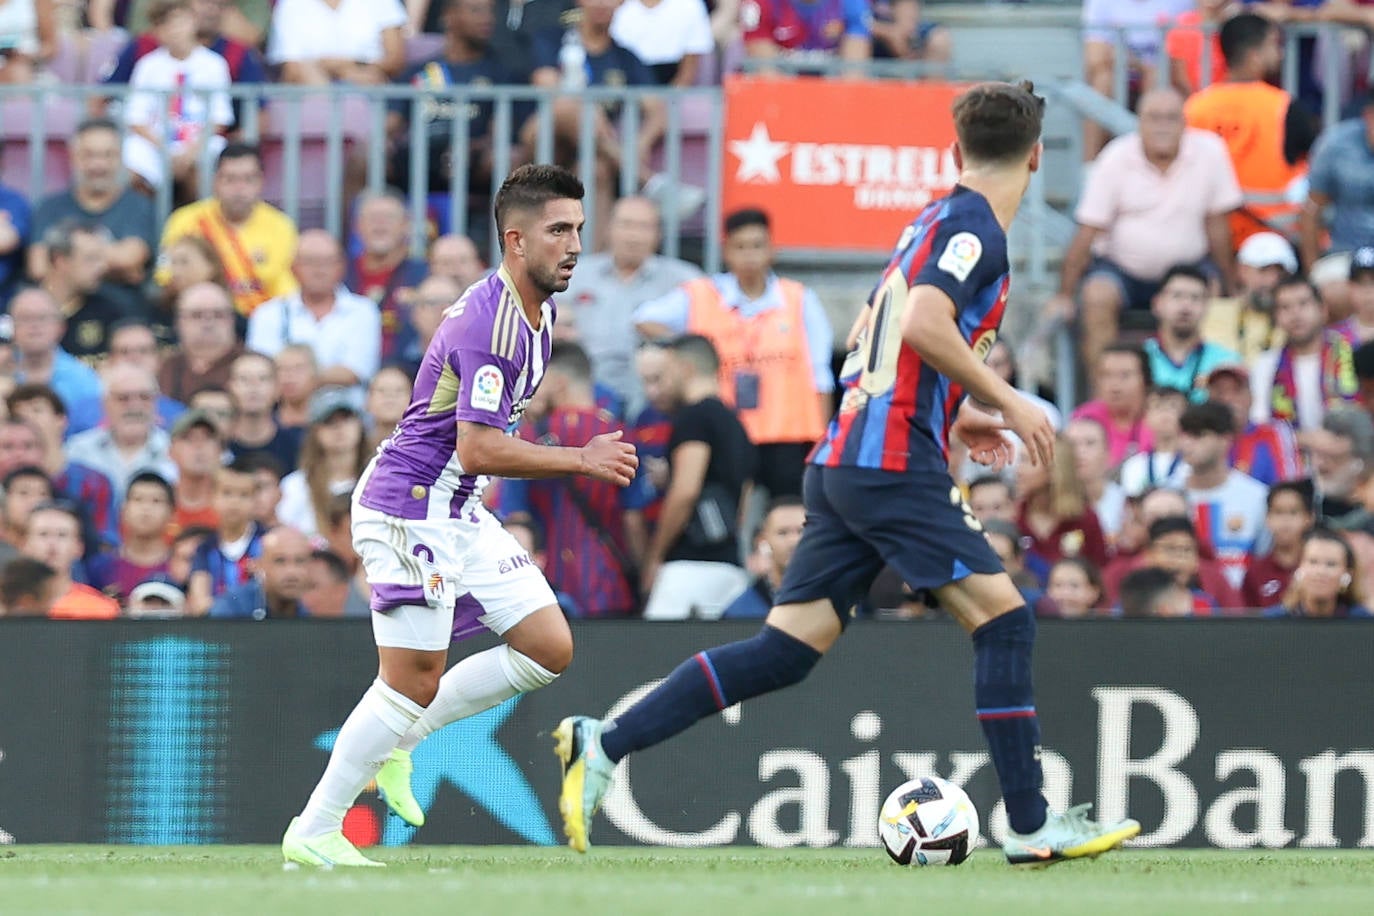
x,y
758,156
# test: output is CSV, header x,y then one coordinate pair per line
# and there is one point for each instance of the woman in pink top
x,y
1120,383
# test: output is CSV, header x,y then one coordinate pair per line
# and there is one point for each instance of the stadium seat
x,y
312,117
60,116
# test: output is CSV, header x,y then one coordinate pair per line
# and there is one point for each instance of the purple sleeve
x,y
486,389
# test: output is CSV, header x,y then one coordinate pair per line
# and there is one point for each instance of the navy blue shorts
x,y
860,519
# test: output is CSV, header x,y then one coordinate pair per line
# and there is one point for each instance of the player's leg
x,y
829,568
519,606
412,620
991,609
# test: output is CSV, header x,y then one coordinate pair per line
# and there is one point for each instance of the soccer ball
x,y
928,821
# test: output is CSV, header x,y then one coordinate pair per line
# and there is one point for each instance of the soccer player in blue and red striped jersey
x,y
878,492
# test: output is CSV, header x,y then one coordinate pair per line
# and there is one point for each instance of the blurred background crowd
x,y
189,396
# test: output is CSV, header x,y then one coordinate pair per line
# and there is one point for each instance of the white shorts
x,y
435,581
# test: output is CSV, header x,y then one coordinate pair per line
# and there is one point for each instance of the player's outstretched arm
x,y
488,450
929,328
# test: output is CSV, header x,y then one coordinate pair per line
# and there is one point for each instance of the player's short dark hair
x,y
338,569
24,577
1302,489
1172,524
1128,348
571,359
698,351
746,217
27,471
1208,417
1142,590
152,478
1186,271
1242,34
1293,281
32,391
998,122
530,187
239,151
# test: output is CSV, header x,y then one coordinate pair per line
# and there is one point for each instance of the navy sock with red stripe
x,y
705,684
1005,698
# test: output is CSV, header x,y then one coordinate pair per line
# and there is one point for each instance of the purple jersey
x,y
482,366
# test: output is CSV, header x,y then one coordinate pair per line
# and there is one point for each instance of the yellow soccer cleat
x,y
586,776
328,851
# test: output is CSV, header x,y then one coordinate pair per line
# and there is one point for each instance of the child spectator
x,y
1174,548
1074,590
1326,582
191,122
25,488
143,551
1228,506
224,560
1289,515
1161,465
267,475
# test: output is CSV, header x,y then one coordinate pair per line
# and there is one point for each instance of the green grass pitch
x,y
457,881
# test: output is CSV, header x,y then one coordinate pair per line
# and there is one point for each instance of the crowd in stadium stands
x,y
187,407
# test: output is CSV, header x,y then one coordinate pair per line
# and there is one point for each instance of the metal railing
x,y
352,129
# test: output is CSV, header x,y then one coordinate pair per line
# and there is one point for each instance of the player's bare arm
x,y
488,450
929,328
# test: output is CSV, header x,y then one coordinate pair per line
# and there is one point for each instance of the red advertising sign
x,y
838,164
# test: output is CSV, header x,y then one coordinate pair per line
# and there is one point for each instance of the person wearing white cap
x,y
1245,322
156,597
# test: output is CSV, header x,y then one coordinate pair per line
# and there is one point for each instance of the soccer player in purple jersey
x,y
878,492
432,552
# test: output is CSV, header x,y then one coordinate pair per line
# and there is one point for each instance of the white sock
x,y
381,717
474,685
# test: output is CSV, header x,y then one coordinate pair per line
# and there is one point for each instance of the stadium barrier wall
x,y
1213,733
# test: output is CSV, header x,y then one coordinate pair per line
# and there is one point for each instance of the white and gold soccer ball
x,y
928,821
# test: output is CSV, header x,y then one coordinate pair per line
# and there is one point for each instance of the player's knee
x,y
556,652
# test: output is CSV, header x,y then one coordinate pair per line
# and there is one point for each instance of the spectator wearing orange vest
x,y
774,342
1266,131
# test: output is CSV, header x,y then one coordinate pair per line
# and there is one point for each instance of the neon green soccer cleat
x,y
393,784
586,776
328,851
1071,835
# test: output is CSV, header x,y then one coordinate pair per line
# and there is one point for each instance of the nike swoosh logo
x,y
1040,852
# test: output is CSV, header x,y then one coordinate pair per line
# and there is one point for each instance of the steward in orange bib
x,y
774,342
1266,131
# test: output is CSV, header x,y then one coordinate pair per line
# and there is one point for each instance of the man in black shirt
x,y
77,256
692,566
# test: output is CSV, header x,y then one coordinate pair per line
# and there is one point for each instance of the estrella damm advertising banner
x,y
839,164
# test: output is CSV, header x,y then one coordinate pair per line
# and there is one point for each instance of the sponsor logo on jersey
x,y
960,256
